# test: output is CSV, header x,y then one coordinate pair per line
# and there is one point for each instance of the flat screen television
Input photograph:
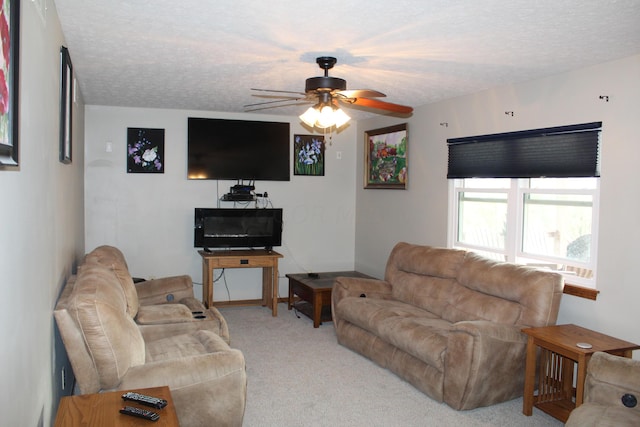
x,y
237,150
237,228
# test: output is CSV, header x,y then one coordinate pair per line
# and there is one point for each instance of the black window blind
x,y
560,152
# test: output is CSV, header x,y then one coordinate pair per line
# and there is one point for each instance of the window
x,y
544,222
529,197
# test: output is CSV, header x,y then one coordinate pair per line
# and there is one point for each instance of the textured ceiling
x,y
206,55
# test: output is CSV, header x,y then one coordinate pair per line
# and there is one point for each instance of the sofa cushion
x,y
472,305
423,276
413,330
158,314
113,258
97,305
505,285
184,345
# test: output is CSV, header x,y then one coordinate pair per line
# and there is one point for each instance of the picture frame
x,y
66,105
145,150
9,85
308,155
386,159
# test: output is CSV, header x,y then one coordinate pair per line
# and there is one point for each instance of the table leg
x,y
529,378
582,374
207,286
275,287
317,309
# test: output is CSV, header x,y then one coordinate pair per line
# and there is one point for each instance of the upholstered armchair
x,y
109,351
167,301
611,393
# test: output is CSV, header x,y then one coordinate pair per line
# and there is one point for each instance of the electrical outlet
x,y
339,155
63,382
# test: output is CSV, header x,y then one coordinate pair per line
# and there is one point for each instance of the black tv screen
x,y
238,150
237,228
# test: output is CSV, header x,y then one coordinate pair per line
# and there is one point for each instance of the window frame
x,y
513,249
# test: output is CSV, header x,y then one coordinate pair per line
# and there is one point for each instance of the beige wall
x,y
41,217
420,214
150,216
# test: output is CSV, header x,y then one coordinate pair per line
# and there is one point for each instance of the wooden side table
x,y
559,352
103,410
267,260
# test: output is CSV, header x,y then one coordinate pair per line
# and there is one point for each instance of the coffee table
x,y
315,293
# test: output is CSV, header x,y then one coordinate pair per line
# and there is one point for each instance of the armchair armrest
x,y
185,371
486,362
165,289
609,378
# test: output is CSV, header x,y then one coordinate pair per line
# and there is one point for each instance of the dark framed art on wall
x,y
386,157
9,84
145,150
66,105
308,155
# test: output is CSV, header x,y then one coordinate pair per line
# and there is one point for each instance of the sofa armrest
x,y
356,286
165,289
485,364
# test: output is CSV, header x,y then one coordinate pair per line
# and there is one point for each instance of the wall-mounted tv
x,y
238,150
237,228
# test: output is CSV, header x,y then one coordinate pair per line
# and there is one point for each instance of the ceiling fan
x,y
327,94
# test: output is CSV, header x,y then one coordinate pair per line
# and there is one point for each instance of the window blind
x,y
559,152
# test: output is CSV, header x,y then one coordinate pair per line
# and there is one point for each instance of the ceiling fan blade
x,y
286,99
358,93
278,91
380,105
266,107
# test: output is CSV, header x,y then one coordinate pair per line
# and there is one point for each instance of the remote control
x,y
154,402
139,412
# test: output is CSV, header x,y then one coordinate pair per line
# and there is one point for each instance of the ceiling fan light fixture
x,y
310,116
325,116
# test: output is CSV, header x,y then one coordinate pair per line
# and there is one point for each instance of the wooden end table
x,y
559,352
258,258
103,410
315,293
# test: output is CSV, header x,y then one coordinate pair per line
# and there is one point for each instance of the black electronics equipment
x,y
238,149
237,228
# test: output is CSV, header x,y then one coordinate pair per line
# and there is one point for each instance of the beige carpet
x,y
300,376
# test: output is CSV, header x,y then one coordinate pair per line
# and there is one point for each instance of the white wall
x,y
150,216
41,215
420,214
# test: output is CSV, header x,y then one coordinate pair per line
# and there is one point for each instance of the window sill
x,y
580,291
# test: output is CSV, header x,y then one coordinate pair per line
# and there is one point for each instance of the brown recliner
x,y
109,351
611,393
167,301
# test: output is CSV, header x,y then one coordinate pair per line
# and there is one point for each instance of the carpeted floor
x,y
300,376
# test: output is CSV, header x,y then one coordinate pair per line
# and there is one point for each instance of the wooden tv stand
x,y
267,260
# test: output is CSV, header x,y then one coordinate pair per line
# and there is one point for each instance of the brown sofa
x,y
611,393
108,350
447,321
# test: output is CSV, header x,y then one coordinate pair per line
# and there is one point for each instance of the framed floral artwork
x,y
386,157
145,150
9,83
308,155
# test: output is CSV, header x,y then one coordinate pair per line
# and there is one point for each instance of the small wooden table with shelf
x,y
103,410
559,352
315,293
265,259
